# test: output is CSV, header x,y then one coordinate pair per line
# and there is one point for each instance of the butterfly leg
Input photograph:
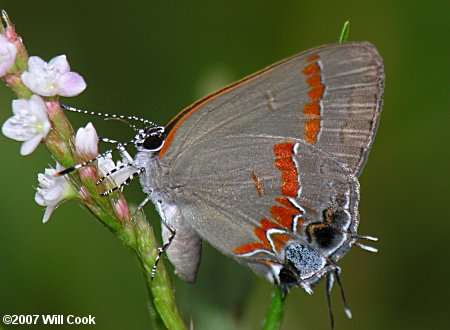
x,y
182,244
114,170
120,147
123,184
162,249
124,152
142,204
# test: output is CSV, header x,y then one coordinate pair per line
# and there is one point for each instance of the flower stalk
x,y
274,314
39,118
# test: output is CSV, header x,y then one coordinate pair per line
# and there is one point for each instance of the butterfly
x,y
266,169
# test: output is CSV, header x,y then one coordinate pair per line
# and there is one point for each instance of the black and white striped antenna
x,y
107,115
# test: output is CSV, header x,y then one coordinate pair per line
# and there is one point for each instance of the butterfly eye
x,y
153,142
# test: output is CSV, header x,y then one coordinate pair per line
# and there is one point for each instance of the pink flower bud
x,y
86,142
8,52
122,209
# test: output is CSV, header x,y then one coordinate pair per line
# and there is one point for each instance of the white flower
x,y
106,164
52,78
30,123
53,190
8,52
86,142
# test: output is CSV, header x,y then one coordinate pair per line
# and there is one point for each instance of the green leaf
x,y
344,32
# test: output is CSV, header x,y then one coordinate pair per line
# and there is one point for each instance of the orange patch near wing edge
x,y
312,128
311,69
313,81
311,109
316,93
279,240
290,185
247,248
284,149
283,215
283,161
312,58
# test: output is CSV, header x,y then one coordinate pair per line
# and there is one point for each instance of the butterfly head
x,y
150,138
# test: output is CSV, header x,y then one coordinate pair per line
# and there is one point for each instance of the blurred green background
x,y
151,59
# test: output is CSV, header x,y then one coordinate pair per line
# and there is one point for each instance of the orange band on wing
x,y
312,58
279,240
251,247
311,69
284,216
289,174
174,124
311,109
285,212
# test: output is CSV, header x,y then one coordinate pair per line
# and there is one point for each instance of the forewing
x,y
329,97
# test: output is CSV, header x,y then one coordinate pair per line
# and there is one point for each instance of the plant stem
x,y
160,288
275,311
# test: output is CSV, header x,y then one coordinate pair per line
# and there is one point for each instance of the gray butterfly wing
x,y
329,97
326,100
232,189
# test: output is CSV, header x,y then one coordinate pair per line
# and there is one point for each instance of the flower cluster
x,y
80,172
53,190
31,122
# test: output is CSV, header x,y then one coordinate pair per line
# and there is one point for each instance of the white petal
x,y
12,131
48,212
38,108
54,194
35,63
12,49
46,127
29,146
38,198
19,105
31,81
60,64
71,84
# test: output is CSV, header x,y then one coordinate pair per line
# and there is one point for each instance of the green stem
x,y
160,287
275,311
